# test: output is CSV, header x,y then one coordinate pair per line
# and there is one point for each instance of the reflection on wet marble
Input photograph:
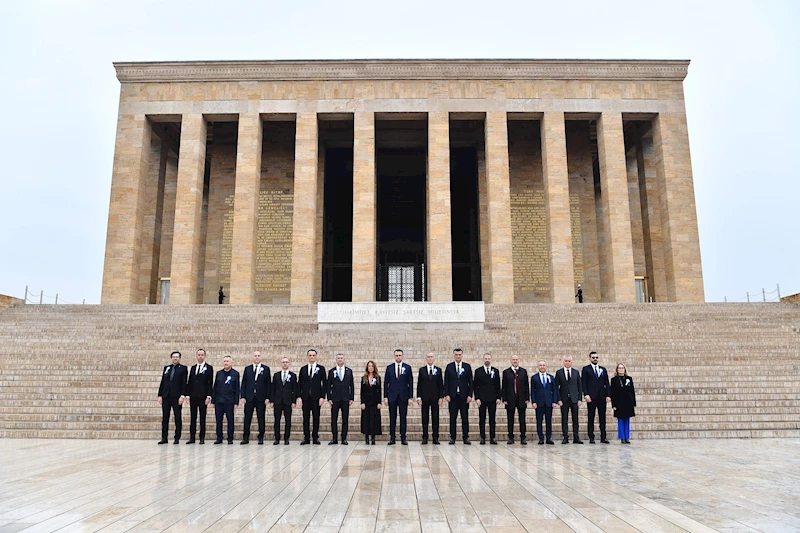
x,y
693,486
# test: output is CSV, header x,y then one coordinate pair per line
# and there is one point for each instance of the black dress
x,y
371,415
623,396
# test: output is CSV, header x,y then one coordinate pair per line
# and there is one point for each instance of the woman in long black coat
x,y
623,401
371,403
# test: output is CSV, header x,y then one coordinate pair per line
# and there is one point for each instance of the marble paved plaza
x,y
669,485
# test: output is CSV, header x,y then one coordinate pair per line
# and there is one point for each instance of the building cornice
x,y
402,69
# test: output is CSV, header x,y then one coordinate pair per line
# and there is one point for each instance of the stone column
x,y
684,272
557,209
124,237
364,212
188,211
439,246
245,209
304,217
651,219
499,199
617,252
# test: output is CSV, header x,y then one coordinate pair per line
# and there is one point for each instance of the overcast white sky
x,y
60,96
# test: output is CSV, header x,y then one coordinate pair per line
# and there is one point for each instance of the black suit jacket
x,y
175,387
572,391
258,385
430,388
452,381
594,387
284,394
312,388
200,386
341,390
487,388
523,387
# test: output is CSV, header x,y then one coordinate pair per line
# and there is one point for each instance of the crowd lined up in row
x,y
312,387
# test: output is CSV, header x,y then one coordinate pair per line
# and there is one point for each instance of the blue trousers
x,y
624,428
226,409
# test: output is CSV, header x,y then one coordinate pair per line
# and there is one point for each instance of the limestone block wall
x,y
275,205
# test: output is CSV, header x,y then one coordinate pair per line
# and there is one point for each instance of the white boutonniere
x,y
316,371
491,374
628,381
260,370
600,371
402,370
372,381
203,371
460,371
435,371
166,371
288,378
228,380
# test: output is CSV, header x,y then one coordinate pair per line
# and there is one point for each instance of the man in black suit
x,y
341,393
570,393
199,389
313,387
430,391
398,394
597,393
283,395
543,396
255,395
225,397
171,393
515,398
458,391
487,396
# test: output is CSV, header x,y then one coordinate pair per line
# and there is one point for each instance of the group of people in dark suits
x,y
457,384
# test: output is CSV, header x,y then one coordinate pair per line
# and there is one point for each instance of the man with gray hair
x,y
570,395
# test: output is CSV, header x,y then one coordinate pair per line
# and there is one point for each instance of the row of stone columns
x,y
672,208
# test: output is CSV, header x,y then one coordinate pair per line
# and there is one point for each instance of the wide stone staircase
x,y
701,370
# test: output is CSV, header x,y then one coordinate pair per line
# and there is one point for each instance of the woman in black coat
x,y
370,403
623,400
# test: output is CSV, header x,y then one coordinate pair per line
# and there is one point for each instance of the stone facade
x,y
584,176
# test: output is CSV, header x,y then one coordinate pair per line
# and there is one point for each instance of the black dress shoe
x,y
333,441
549,441
316,441
483,441
627,441
604,441
177,441
524,442
452,441
276,442
565,441
435,440
261,440
202,441
163,441
305,441
372,440
510,441
577,441
230,441
391,442
244,441
424,441
591,441
492,441
218,441
467,442
286,442
541,441
344,442
403,441
190,441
